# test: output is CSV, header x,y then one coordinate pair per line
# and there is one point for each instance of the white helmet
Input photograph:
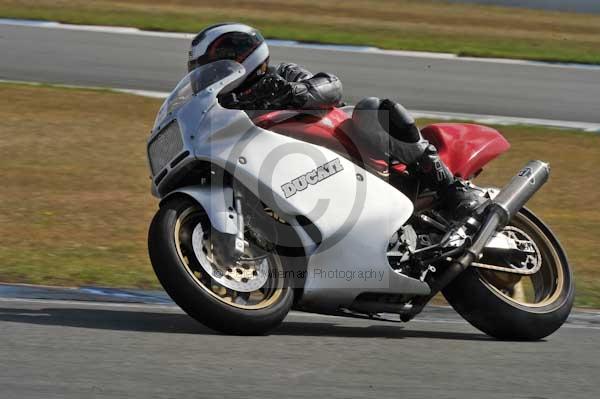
x,y
231,41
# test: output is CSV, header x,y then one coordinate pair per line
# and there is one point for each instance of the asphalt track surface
x,y
71,349
425,83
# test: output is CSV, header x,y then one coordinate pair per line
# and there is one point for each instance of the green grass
x,y
75,202
481,31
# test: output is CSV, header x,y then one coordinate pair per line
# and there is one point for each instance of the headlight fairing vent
x,y
164,147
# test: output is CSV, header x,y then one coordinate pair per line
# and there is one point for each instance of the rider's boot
x,y
459,196
423,160
432,171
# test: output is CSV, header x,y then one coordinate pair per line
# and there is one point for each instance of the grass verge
x,y
424,25
75,201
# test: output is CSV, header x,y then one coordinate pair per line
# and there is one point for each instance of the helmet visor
x,y
236,46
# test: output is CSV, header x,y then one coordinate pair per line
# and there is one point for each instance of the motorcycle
x,y
288,210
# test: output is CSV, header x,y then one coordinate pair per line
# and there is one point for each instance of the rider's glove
x,y
248,99
272,91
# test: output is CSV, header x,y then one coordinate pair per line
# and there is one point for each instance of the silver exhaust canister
x,y
506,205
520,189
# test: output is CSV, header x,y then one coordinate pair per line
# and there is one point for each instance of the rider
x,y
383,124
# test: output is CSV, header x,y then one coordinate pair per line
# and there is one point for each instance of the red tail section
x,y
465,147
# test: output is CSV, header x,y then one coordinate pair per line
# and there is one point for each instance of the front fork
x,y
240,242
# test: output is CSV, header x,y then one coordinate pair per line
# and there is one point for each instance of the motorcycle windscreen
x,y
213,78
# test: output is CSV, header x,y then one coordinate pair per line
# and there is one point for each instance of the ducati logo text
x,y
311,178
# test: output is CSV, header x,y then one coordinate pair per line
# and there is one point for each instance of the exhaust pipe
x,y
503,208
520,189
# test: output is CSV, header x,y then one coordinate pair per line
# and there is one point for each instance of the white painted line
x,y
142,93
125,305
441,115
292,43
94,304
479,118
508,120
122,30
114,294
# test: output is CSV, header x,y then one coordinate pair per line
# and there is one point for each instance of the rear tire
x,y
477,296
192,293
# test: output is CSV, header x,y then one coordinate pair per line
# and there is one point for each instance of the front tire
x,y
507,306
206,296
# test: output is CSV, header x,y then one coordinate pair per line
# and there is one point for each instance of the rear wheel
x,y
512,306
246,294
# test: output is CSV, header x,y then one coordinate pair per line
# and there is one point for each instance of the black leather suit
x,y
382,124
322,90
288,86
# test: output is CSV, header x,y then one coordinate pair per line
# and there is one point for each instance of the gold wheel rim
x,y
223,294
546,284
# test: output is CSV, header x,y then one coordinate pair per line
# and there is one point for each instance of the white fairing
x,y
355,212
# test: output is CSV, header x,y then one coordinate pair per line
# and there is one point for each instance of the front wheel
x,y
244,294
520,307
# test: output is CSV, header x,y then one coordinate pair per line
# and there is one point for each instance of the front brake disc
x,y
246,274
